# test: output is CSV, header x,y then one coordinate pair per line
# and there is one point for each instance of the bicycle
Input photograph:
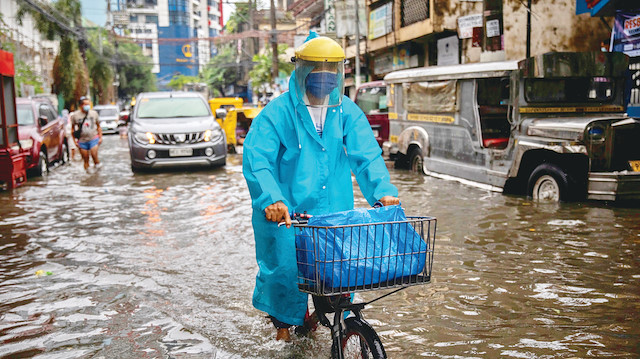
x,y
331,272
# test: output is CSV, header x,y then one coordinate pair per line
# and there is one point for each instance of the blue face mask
x,y
86,108
320,84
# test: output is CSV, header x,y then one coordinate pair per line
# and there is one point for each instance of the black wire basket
x,y
363,257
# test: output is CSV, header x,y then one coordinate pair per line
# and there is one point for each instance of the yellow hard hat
x,y
320,48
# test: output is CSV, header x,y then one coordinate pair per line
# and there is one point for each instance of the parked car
x,y
41,131
372,99
169,129
109,115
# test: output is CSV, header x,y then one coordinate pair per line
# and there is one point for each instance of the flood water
x,y
163,265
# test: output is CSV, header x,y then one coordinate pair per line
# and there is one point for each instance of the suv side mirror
x,y
42,121
221,113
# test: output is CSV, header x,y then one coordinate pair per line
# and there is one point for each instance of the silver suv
x,y
170,129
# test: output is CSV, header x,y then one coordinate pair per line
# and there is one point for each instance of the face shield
x,y
320,83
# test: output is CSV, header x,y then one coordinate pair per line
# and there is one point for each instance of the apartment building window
x,y
413,11
178,12
133,18
151,19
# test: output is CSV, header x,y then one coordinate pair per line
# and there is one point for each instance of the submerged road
x,y
162,265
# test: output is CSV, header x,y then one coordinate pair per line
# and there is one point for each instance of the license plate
x,y
180,152
635,165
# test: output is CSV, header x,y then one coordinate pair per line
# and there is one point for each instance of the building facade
x,y
175,34
28,45
416,33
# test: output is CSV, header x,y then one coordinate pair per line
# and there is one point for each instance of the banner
x,y
346,18
625,36
381,21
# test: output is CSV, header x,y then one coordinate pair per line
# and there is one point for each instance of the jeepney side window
x,y
430,97
570,90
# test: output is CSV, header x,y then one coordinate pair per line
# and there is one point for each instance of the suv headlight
x,y
213,135
145,137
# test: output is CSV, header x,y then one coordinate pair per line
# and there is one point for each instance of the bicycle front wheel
x,y
360,341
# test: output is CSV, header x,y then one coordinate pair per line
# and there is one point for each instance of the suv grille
x,y
176,138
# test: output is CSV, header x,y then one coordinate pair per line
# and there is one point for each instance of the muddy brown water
x,y
163,264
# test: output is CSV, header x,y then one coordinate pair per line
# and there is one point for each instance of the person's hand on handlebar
x,y
389,200
277,212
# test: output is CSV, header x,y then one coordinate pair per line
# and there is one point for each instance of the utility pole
x,y
274,43
251,39
358,46
528,28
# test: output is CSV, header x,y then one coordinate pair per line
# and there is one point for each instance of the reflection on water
x,y
162,265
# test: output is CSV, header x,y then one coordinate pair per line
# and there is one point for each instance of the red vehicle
x,y
372,99
12,164
42,133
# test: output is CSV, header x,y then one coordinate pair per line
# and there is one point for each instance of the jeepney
x,y
552,126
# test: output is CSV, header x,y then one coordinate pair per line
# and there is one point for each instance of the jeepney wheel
x,y
548,183
416,161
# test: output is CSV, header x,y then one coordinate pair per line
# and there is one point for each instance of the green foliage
x,y
179,81
261,74
70,11
239,19
221,71
134,70
101,71
26,75
70,78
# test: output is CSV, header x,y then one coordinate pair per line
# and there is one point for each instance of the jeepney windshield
x,y
372,99
569,90
430,97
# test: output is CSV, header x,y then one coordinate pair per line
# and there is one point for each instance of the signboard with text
x,y
625,36
381,21
466,24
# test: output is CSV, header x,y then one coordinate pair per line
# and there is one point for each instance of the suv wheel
x,y
65,154
42,169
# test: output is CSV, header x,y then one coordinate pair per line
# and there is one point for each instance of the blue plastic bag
x,y
360,256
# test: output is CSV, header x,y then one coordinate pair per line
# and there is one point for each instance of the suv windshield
x,y
166,107
570,90
108,112
25,115
372,99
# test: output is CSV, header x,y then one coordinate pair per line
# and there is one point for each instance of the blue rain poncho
x,y
284,159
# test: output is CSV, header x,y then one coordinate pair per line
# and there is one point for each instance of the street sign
x,y
120,18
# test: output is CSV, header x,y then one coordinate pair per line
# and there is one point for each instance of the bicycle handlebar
x,y
303,218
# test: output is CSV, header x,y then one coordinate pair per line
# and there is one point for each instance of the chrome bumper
x,y
614,186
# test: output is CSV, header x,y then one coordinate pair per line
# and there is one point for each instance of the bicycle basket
x,y
362,257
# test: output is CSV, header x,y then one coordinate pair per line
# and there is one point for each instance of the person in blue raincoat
x,y
298,156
